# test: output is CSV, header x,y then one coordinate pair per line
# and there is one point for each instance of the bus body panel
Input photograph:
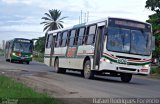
x,y
23,57
109,61
48,55
71,63
11,54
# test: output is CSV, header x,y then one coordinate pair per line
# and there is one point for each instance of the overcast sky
x,y
21,18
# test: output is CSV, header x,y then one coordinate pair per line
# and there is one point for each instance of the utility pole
x,y
87,16
79,19
84,17
81,16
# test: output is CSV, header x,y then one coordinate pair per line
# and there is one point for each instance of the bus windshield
x,y
129,41
22,47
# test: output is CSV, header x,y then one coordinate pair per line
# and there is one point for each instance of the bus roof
x,y
17,39
93,22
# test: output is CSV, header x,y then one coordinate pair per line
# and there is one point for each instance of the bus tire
x,y
82,73
88,73
11,60
56,67
28,62
126,77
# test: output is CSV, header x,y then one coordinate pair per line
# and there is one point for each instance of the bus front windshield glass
x,y
129,41
23,47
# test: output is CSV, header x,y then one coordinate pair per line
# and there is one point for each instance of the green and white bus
x,y
19,49
111,46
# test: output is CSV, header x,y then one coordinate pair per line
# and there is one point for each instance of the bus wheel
x,y
56,67
11,60
88,73
28,62
126,77
82,73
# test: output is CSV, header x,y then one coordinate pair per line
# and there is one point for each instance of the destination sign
x,y
130,24
25,41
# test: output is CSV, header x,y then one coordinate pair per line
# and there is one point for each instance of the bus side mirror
x,y
153,42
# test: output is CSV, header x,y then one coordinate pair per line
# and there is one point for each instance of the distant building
x,y
3,45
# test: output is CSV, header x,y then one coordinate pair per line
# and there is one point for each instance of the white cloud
x,y
10,1
22,28
35,9
18,1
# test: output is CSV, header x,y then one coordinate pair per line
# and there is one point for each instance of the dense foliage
x,y
39,45
154,19
52,20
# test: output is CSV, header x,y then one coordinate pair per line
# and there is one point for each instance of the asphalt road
x,y
72,85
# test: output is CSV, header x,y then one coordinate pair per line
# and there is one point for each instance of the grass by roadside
x,y
155,71
10,89
38,57
1,52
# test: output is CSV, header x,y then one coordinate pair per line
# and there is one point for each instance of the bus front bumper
x,y
123,68
21,58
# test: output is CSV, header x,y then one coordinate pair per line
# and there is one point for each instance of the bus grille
x,y
128,69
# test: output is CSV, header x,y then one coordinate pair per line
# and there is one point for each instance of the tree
x,y
39,45
52,20
154,19
154,5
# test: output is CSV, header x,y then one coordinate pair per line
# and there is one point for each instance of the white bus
x,y
112,46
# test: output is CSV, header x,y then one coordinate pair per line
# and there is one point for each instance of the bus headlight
x,y
14,54
108,61
31,56
146,66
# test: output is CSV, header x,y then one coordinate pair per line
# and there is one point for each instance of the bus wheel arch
x,y
85,59
87,72
56,66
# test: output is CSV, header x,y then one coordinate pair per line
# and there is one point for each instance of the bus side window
x,y
64,38
72,37
58,40
90,38
49,41
81,36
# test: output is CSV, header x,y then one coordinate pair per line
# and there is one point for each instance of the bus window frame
x,y
83,37
62,39
72,37
87,34
57,41
47,43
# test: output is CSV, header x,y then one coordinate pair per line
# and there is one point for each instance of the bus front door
x,y
99,45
